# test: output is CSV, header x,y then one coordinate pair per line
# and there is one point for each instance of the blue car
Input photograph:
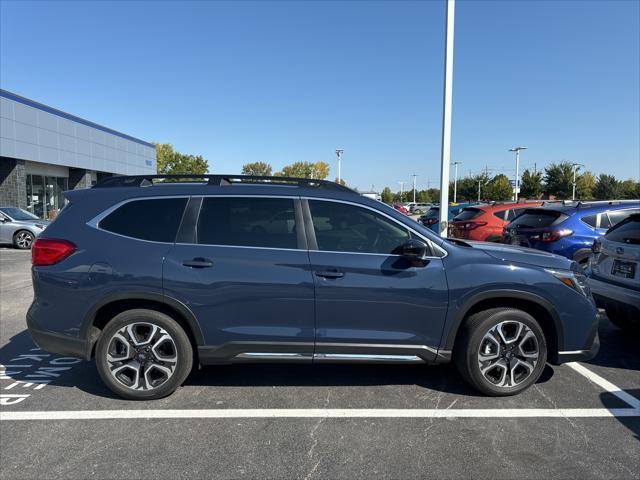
x,y
567,229
432,217
150,277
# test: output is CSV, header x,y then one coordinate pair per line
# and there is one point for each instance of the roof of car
x,y
591,207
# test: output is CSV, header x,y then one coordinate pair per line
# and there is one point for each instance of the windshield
x,y
538,218
468,214
18,213
433,212
626,232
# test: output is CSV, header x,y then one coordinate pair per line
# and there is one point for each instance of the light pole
x,y
414,187
401,190
575,167
447,96
339,152
517,187
455,182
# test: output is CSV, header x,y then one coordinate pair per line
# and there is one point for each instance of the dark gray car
x,y
19,227
149,278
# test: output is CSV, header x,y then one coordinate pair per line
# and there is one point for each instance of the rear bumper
x,y
589,350
59,343
604,291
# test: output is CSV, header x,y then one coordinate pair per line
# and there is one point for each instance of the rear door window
x,y
539,218
155,219
247,222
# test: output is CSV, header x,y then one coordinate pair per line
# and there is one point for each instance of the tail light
x,y
430,221
47,251
552,236
471,225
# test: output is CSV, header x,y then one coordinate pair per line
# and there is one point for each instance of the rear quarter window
x,y
626,232
155,220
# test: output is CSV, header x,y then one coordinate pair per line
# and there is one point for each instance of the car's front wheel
x,y
501,351
23,239
143,355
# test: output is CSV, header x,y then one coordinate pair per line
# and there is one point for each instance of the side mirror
x,y
415,251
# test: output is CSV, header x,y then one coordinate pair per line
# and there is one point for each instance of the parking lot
x,y
323,421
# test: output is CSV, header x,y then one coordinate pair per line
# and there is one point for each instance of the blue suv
x,y
567,229
150,276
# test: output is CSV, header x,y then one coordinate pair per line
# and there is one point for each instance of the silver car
x,y
614,273
19,227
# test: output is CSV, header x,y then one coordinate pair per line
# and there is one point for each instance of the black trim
x,y
501,295
300,227
591,350
227,353
187,230
61,344
308,225
581,254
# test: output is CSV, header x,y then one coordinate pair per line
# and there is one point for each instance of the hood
x,y
515,253
32,222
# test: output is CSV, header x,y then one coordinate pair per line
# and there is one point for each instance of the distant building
x,y
44,151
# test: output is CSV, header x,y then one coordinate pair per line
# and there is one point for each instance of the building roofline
x,y
46,108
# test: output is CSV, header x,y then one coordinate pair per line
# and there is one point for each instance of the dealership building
x,y
44,151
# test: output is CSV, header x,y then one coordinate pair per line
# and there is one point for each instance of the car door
x,y
249,287
370,302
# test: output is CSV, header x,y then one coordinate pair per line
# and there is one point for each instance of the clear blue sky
x,y
286,81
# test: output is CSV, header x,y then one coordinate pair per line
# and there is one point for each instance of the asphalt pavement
x,y
57,420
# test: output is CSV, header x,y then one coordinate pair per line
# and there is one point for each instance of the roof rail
x,y
218,180
587,203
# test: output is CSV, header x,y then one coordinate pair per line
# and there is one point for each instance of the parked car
x,y
420,208
568,229
614,273
19,227
149,280
401,208
432,218
486,222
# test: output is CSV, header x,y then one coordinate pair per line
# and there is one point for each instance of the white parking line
x,y
605,384
324,413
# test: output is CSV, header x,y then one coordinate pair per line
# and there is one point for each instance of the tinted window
x,y
619,215
539,218
157,220
626,232
434,212
248,222
346,228
604,220
501,215
468,214
591,220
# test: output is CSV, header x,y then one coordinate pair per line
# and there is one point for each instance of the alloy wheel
x,y
24,239
508,354
142,356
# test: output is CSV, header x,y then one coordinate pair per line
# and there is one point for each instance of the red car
x,y
401,208
485,222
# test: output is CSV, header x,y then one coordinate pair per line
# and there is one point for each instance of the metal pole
x,y
445,157
455,182
573,195
515,195
339,152
414,188
479,182
401,190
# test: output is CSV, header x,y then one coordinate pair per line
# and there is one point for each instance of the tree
x,y
558,178
317,170
170,162
531,184
341,181
585,184
499,189
387,195
630,190
257,168
607,188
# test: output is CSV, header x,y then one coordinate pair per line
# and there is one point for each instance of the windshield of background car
x,y
538,218
468,214
626,232
18,213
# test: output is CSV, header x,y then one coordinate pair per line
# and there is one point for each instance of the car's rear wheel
x,y
143,355
501,351
23,239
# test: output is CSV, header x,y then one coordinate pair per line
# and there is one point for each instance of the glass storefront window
x,y
44,195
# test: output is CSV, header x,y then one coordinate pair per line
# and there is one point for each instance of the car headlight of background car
x,y
575,280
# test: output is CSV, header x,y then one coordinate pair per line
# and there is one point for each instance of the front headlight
x,y
575,280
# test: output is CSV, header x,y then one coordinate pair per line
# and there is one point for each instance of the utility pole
x,y
447,96
401,190
575,167
517,187
339,153
414,187
455,182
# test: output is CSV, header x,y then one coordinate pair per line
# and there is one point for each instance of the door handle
x,y
198,262
329,274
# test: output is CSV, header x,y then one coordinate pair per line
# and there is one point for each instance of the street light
x,y
517,187
339,152
455,182
401,190
575,167
414,187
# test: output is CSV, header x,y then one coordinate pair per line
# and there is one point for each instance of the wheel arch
x,y
542,310
116,303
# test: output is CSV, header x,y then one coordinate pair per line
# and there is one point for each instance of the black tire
x,y
23,239
183,354
471,337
